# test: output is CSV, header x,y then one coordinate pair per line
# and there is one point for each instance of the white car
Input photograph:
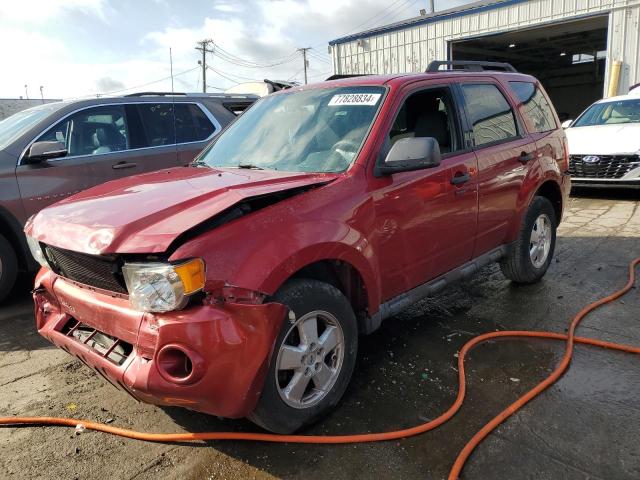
x,y
604,143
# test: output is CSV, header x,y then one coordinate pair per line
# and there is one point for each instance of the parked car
x,y
604,143
54,150
238,287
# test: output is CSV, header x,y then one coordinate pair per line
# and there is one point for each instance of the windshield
x,y
318,130
18,123
608,113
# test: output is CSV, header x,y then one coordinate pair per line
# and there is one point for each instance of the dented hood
x,y
145,213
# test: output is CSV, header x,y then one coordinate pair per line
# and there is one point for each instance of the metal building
x,y
581,50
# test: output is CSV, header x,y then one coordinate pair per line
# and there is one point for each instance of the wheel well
x,y
345,277
8,231
551,191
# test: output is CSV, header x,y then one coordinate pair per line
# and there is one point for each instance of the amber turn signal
x,y
192,274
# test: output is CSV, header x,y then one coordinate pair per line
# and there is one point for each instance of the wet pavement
x,y
586,426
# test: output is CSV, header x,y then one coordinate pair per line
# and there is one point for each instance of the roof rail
x,y
470,65
155,94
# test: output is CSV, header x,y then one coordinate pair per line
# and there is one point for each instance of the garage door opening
x,y
568,58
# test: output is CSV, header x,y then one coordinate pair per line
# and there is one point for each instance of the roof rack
x,y
155,94
470,65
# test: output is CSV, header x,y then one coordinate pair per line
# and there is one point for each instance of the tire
x,y
285,404
522,264
8,267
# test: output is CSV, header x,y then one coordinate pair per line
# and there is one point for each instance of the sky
x,y
78,48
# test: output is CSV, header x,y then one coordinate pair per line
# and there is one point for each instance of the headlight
x,y
36,251
162,287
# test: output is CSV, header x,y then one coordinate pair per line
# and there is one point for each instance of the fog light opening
x,y
175,364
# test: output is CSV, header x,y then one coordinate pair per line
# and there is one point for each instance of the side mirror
x,y
567,123
409,154
42,151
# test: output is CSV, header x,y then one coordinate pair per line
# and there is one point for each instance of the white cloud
x,y
40,11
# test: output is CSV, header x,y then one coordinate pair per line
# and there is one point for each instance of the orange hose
x,y
569,338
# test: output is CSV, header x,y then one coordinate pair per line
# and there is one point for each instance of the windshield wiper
x,y
199,163
250,166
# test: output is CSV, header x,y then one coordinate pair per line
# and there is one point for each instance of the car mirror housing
x,y
567,123
43,151
409,154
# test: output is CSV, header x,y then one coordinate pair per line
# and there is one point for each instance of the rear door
x,y
153,138
503,149
195,127
96,138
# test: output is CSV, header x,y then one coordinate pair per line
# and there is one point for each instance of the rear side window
x,y
536,110
490,114
91,131
192,125
156,124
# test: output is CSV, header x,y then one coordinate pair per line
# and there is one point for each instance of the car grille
x,y
607,166
111,348
95,271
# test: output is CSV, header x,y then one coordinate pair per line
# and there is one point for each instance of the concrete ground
x,y
586,426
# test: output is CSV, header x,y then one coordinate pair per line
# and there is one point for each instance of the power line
x,y
236,60
134,87
238,79
402,4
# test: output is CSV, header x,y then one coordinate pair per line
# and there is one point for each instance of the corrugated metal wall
x,y
412,48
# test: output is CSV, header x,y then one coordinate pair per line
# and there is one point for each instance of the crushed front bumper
x,y
228,346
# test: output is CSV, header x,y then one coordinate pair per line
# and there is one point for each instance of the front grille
x,y
95,271
111,348
606,166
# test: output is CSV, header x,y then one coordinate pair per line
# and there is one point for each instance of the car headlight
x,y
36,251
162,287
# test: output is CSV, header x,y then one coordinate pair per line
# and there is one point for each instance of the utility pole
x,y
306,62
26,91
203,46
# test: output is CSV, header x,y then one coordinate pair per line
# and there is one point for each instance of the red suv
x,y
238,286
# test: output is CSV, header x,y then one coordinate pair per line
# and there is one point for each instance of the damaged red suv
x,y
238,286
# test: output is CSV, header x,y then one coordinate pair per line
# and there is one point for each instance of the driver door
x,y
426,224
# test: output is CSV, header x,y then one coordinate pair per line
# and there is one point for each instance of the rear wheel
x,y
8,267
313,358
531,254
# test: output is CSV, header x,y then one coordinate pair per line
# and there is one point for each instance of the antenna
x,y
171,68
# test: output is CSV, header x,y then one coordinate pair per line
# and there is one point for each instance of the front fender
x,y
261,257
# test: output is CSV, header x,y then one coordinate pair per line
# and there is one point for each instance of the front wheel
x,y
313,357
531,254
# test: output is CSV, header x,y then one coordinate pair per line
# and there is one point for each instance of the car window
x,y
192,125
428,113
156,124
91,131
536,110
491,115
19,123
612,112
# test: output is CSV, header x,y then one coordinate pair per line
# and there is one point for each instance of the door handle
x,y
526,157
460,179
122,165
